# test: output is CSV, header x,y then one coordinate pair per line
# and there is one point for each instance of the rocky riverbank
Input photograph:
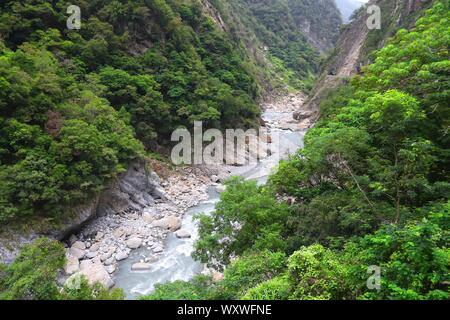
x,y
287,113
96,250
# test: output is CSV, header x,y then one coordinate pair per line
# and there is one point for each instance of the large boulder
x,y
171,223
111,269
85,264
121,255
97,273
77,253
94,247
148,217
108,254
141,266
182,234
134,242
72,265
221,188
79,245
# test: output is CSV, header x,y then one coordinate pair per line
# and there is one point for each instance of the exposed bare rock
x,y
77,253
134,242
91,254
97,273
85,264
72,265
79,245
221,188
351,52
121,256
94,247
182,234
141,266
111,269
170,223
148,217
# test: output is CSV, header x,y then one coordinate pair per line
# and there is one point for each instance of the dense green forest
x,y
369,189
77,105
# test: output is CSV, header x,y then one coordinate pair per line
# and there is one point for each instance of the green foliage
x,y
34,275
83,291
248,271
197,289
59,142
244,218
315,274
277,288
414,259
380,148
162,61
279,27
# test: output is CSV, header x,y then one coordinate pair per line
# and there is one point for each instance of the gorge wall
x,y
357,43
135,189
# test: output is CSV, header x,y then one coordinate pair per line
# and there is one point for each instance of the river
x,y
176,262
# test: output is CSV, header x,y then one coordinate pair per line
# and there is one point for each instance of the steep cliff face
x,y
357,43
135,189
319,20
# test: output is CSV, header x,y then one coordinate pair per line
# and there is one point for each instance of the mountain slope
x,y
357,44
294,33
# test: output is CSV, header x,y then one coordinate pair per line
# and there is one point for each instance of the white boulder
x,y
141,266
134,242
79,245
72,265
77,253
97,273
182,234
171,223
121,255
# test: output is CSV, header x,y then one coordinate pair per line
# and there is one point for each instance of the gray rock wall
x,y
134,189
